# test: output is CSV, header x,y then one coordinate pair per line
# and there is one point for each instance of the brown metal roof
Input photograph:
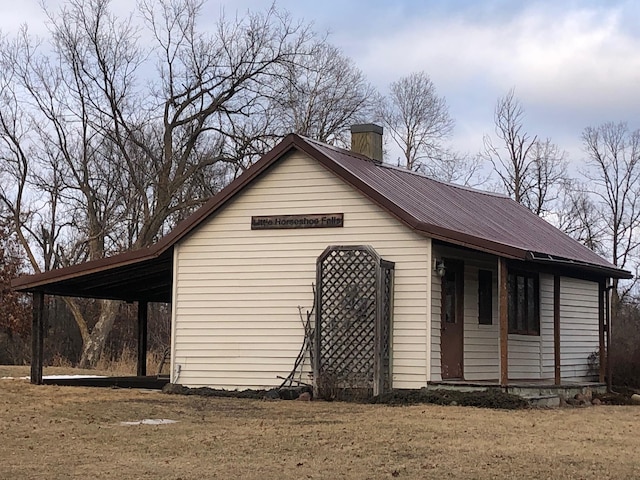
x,y
130,276
481,220
467,217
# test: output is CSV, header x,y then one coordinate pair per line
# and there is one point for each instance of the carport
x,y
140,276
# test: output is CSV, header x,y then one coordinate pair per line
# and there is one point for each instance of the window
x,y
485,297
523,292
450,296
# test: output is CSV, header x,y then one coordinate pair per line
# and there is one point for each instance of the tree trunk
x,y
92,349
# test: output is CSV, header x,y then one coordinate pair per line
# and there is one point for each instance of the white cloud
x,y
573,63
14,14
542,53
571,67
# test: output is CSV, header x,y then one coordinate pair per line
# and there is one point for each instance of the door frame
x,y
456,266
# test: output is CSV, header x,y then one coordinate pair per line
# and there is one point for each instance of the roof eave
x,y
292,141
602,270
29,283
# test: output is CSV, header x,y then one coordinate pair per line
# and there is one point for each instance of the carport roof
x,y
132,276
462,216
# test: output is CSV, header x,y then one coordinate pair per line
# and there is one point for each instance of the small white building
x,y
417,281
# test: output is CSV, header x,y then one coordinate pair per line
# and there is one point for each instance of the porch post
x,y
602,357
142,338
37,338
607,310
556,328
504,321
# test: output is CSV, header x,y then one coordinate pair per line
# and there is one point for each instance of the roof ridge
x,y
340,150
400,169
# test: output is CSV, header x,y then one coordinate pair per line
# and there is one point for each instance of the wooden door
x,y
452,320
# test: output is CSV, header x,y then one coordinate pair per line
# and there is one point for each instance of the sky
x,y
572,63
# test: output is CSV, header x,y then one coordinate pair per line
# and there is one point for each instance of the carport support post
x,y
556,329
37,338
143,309
602,360
504,321
608,314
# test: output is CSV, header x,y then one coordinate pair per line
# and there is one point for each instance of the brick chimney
x,y
366,139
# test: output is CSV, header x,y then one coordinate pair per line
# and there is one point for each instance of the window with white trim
x,y
523,302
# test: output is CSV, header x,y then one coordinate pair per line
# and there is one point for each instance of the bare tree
x,y
578,217
323,94
121,156
454,167
63,165
417,120
14,319
613,155
532,171
209,84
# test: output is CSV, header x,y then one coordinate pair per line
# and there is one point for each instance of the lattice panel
x,y
385,326
352,343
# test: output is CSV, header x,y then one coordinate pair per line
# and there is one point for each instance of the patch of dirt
x,y
619,396
488,399
272,394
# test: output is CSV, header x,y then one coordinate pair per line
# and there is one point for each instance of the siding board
x,y
579,334
242,288
546,327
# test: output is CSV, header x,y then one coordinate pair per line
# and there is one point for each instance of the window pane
x,y
531,305
511,292
521,304
524,314
450,297
485,297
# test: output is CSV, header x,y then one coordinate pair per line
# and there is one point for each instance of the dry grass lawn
x,y
72,432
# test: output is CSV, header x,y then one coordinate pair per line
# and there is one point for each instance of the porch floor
x,y
550,382
152,382
531,389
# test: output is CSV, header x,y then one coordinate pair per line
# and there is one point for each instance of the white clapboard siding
x,y
237,290
436,306
531,356
525,359
481,342
546,326
579,333
481,347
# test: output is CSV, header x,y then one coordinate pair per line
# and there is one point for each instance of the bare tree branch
x,y
417,119
613,156
531,171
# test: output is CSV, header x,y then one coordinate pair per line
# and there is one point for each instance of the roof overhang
x,y
605,271
125,277
147,274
